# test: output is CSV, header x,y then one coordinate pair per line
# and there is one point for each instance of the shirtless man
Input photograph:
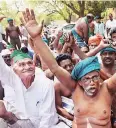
x,y
92,99
81,30
65,61
13,32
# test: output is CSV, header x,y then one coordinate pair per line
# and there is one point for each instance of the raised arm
x,y
111,84
7,75
35,32
58,46
102,45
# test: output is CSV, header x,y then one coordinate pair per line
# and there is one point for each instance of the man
x,y
108,56
6,56
99,26
92,99
13,32
63,94
94,41
1,34
111,23
85,49
81,30
32,103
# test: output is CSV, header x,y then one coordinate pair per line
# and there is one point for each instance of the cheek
x,y
33,66
18,71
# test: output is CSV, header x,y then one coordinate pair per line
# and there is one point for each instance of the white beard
x,y
90,93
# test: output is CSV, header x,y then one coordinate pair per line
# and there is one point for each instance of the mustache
x,y
106,58
27,70
90,88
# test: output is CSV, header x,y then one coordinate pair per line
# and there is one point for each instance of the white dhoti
x,y
3,124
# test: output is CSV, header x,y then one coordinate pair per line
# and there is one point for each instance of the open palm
x,y
31,24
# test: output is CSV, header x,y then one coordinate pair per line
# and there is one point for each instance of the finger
x,y
24,16
32,14
22,20
27,13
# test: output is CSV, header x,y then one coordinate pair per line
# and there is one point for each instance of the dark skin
x,y
7,59
90,110
12,31
108,59
61,90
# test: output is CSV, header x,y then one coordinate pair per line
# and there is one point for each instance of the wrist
x,y
10,118
100,47
58,37
37,38
74,46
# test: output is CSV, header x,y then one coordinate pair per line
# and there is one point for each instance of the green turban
x,y
110,49
19,55
84,67
10,46
9,19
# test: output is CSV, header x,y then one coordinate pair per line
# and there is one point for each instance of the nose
x,y
68,68
91,82
27,66
107,55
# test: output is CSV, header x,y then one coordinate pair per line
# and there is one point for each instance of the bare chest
x,y
98,107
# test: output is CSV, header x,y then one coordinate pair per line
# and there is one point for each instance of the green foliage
x,y
50,10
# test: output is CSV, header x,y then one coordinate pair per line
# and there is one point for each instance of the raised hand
x,y
60,33
70,40
31,24
104,43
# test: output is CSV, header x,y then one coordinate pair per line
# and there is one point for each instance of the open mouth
x,y
92,90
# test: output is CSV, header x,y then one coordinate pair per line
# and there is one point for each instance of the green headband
x,y
110,49
19,55
10,46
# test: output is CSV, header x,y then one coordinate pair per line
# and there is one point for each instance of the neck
x,y
27,81
11,25
108,69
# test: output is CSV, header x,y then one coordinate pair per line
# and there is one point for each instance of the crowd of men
x,y
63,82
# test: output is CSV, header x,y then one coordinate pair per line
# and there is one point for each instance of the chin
x,y
91,94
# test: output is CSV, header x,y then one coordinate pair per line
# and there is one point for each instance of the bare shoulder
x,y
57,85
108,87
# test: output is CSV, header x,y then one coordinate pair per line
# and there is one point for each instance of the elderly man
x,y
32,103
92,99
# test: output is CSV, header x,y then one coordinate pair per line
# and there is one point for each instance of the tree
x,y
77,7
56,7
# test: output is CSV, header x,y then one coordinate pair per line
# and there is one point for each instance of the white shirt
x,y
99,28
23,31
111,24
36,103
